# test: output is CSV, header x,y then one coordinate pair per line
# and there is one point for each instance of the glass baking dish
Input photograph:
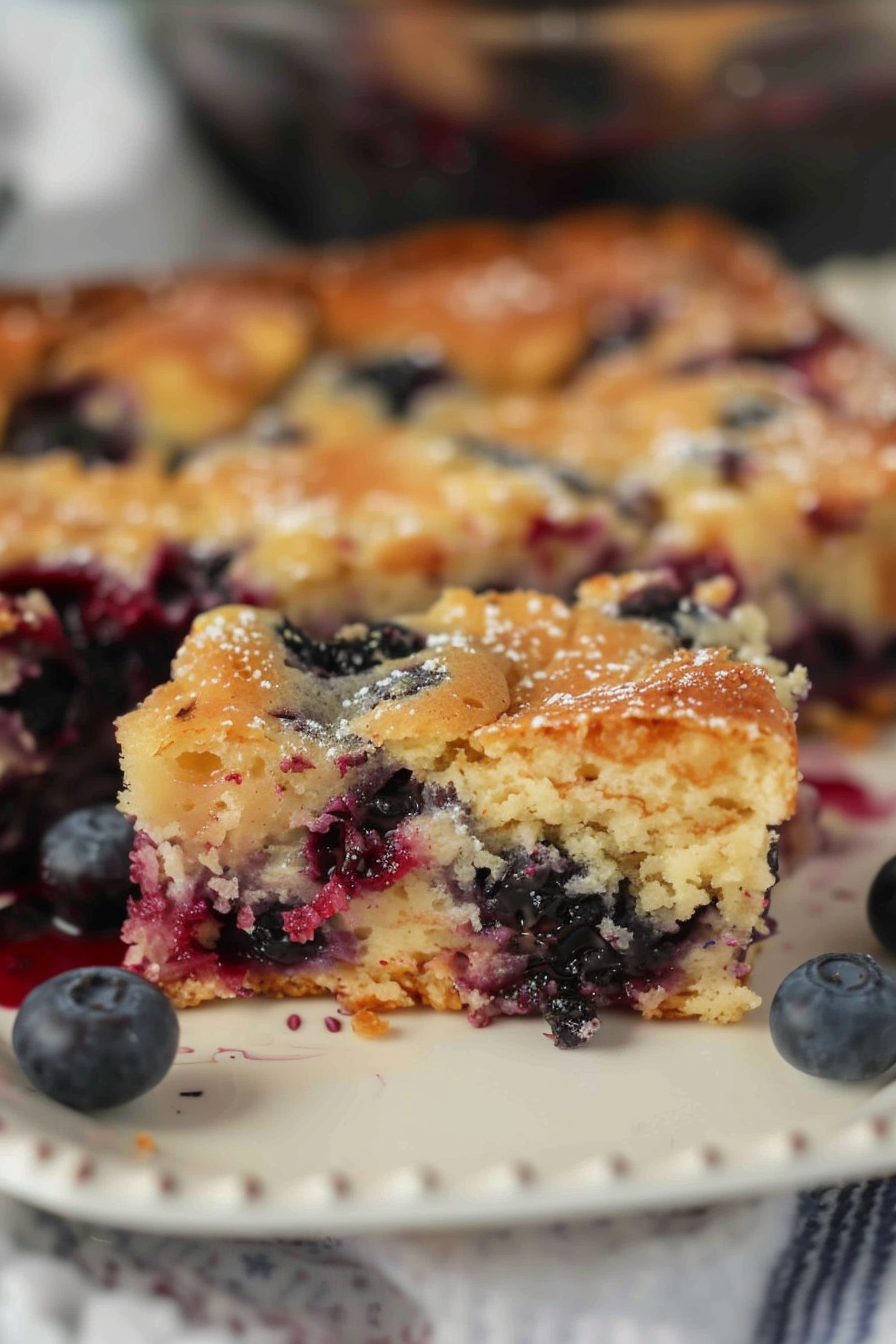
x,y
348,119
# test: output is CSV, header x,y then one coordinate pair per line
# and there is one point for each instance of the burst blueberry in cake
x,y
505,804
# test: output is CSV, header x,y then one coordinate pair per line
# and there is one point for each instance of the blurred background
x,y
140,134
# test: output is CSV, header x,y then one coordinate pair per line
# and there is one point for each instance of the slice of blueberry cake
x,y
505,804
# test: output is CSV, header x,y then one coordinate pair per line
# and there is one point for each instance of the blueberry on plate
x,y
95,1038
835,1017
85,867
882,906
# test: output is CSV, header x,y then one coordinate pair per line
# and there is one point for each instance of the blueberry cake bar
x,y
505,804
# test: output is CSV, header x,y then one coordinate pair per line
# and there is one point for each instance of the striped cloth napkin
x,y
816,1268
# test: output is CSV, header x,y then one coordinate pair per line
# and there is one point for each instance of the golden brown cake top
x,y
196,353
668,350
288,517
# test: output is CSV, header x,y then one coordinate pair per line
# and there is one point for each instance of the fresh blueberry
x,y
835,1017
95,1038
882,906
348,656
85,866
399,379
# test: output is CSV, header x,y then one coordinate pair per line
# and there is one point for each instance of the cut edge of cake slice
x,y
506,804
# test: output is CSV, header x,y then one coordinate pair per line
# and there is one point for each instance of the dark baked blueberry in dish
x,y
267,940
732,464
45,701
835,1017
187,581
519,459
747,412
85,867
654,602
532,887
399,378
354,839
634,327
882,906
572,1021
95,1038
84,415
349,655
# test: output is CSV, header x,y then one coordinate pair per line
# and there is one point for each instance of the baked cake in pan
x,y
338,436
666,361
506,804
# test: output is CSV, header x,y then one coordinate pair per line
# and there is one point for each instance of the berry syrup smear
x,y
33,949
850,798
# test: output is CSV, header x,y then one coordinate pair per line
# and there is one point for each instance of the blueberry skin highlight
x,y
835,1017
95,1038
882,906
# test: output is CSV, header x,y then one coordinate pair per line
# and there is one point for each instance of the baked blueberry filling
x,y
267,940
569,954
729,461
732,462
843,668
399,378
355,844
630,329
654,602
666,605
109,647
354,654
518,459
354,841
86,415
44,702
747,411
801,358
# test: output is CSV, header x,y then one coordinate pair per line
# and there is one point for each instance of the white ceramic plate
x,y
438,1125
